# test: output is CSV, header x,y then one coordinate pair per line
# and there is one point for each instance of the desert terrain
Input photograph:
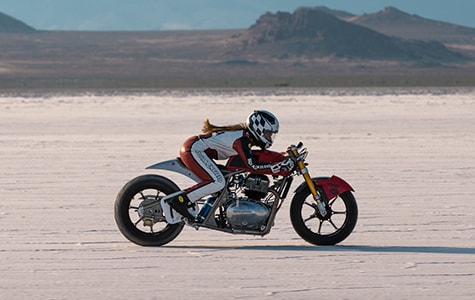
x,y
311,47
408,153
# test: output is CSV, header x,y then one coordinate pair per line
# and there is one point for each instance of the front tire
x,y
323,231
153,230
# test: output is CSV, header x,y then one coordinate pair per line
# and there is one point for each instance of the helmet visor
x,y
269,135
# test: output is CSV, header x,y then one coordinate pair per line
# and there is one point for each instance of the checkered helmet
x,y
262,125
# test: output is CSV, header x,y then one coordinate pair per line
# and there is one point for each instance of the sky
x,y
205,14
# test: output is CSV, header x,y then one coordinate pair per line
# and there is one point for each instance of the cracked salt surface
x,y
408,154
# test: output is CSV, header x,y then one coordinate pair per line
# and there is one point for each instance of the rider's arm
x,y
243,148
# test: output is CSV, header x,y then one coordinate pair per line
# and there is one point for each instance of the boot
x,y
181,203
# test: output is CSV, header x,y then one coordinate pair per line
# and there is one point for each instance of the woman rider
x,y
217,143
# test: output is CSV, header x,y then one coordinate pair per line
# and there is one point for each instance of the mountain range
x,y
313,32
12,25
311,42
394,22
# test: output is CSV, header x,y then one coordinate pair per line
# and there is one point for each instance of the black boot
x,y
180,203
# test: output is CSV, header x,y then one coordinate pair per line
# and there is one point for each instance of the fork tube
x,y
311,185
304,171
308,179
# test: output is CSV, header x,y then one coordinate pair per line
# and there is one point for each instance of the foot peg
x,y
181,203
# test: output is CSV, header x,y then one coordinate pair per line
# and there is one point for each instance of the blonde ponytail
x,y
210,128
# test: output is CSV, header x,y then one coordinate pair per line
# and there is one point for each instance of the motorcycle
x,y
323,210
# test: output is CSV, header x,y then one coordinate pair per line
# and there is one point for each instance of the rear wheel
x,y
145,227
316,229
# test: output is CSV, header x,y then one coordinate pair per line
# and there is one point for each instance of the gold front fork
x,y
311,185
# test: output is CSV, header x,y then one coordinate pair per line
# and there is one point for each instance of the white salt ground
x,y
409,154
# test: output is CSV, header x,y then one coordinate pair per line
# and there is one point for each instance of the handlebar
x,y
296,152
293,148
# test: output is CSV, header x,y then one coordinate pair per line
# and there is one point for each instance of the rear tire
x,y
145,188
323,231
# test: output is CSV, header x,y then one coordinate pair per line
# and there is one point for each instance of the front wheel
x,y
145,227
316,229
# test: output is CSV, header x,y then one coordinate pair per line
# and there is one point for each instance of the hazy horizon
x,y
204,14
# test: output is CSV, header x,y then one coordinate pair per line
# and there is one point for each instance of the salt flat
x,y
409,154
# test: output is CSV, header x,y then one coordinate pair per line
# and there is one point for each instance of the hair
x,y
210,128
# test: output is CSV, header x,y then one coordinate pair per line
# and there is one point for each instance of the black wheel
x,y
145,227
320,230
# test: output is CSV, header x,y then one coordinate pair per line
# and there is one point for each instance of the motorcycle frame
x,y
210,221
322,189
282,185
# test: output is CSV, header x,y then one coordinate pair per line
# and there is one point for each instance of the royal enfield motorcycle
x,y
323,210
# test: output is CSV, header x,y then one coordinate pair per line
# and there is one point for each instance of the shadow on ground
x,y
377,249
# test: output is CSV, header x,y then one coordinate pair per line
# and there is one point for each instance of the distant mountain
x,y
12,25
313,32
308,47
394,22
337,13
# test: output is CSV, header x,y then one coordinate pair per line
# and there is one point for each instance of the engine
x,y
249,212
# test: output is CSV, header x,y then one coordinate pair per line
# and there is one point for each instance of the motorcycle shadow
x,y
338,248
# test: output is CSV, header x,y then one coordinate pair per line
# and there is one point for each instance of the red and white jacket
x,y
222,145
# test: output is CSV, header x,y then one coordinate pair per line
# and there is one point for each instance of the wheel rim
x,y
332,223
147,221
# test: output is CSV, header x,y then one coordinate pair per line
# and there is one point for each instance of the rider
x,y
221,142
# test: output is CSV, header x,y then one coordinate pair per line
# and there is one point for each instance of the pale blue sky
x,y
204,14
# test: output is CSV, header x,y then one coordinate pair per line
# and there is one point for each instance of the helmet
x,y
262,125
